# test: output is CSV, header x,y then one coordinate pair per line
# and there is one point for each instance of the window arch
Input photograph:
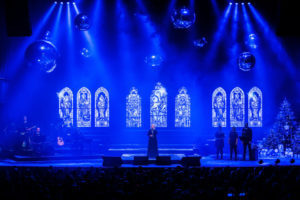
x,y
182,109
255,111
101,107
84,107
219,107
158,106
237,107
65,101
133,109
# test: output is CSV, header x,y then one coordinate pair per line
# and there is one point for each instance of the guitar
x,y
26,143
60,141
27,130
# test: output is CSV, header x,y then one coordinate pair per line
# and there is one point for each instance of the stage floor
x,y
96,161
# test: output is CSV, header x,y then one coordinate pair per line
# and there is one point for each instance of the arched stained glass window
x,y
133,109
101,108
158,106
84,108
237,107
182,109
65,100
219,107
255,111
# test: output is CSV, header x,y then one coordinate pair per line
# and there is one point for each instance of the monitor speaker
x,y
163,160
112,161
140,160
191,161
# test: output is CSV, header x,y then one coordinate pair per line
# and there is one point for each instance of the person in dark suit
x,y
219,136
233,141
152,142
246,139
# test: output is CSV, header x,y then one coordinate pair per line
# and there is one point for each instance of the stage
x,y
127,159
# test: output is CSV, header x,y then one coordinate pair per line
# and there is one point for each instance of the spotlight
x,y
74,3
260,162
55,2
277,161
243,3
68,3
249,3
292,161
230,3
236,3
61,3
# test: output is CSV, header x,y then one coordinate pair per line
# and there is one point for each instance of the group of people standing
x,y
246,138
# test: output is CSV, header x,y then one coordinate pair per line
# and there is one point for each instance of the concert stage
x,y
128,161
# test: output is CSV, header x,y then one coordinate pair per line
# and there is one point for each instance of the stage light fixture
x,y
61,3
230,3
55,2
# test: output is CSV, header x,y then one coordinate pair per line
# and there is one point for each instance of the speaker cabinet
x,y
191,161
140,160
112,161
163,160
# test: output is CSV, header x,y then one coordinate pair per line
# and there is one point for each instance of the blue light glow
x,y
219,107
182,109
237,107
84,116
101,108
133,109
274,42
158,106
218,35
65,104
255,107
56,25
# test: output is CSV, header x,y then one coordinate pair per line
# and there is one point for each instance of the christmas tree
x,y
284,129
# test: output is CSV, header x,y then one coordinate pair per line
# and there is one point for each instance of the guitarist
x,y
246,139
24,136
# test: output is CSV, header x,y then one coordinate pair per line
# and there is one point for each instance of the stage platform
x,y
97,161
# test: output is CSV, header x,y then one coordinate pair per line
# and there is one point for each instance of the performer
x,y
219,136
152,143
246,139
233,141
37,140
24,136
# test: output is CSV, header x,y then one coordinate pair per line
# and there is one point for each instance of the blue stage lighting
x,y
183,18
85,53
55,2
61,2
230,3
154,60
200,42
42,54
252,41
82,22
246,61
